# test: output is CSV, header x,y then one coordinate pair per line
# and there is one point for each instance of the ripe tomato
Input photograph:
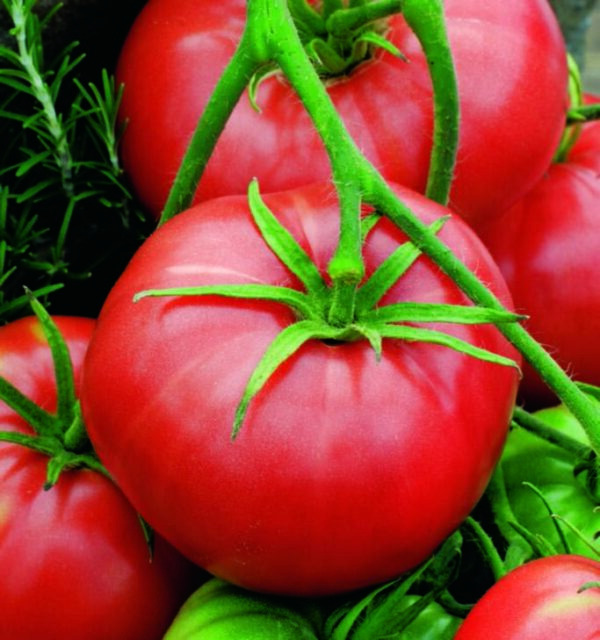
x,y
75,562
509,57
539,600
547,248
347,470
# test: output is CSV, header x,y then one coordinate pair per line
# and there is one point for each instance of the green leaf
x,y
34,160
308,21
383,612
47,445
284,245
559,532
290,297
593,548
21,301
377,40
589,585
415,334
590,389
35,190
389,272
372,335
431,312
39,420
367,224
540,546
256,80
67,403
10,55
14,83
327,60
281,349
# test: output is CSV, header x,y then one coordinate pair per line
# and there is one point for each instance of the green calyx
x,y
338,36
61,436
324,314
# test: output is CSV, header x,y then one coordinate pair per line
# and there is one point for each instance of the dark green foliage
x,y
68,222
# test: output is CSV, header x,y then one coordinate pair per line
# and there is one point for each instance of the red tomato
x,y
539,600
74,559
509,57
547,247
347,471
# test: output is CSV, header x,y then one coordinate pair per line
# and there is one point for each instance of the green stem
x,y
307,17
488,548
426,19
246,61
584,113
346,268
583,408
538,427
519,550
345,21
572,129
76,439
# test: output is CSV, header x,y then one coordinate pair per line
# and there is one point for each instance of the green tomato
x,y
528,458
433,623
221,611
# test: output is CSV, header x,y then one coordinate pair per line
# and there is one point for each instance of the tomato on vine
x,y
358,446
512,78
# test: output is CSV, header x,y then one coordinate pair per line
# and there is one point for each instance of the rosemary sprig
x,y
65,206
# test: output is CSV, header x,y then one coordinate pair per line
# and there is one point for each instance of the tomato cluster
x,y
290,431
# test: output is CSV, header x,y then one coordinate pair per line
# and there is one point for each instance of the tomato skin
x,y
529,458
355,467
509,57
219,610
74,558
547,248
539,600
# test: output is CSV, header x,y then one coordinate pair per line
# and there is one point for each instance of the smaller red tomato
x,y
547,247
546,598
74,560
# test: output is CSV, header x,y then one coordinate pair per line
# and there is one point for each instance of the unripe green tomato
x,y
529,458
221,611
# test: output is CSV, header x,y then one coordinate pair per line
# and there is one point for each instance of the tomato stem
x,y
583,408
344,21
519,550
427,21
573,124
488,548
535,425
245,63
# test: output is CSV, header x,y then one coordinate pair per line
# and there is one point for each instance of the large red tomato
x,y
509,57
539,600
347,471
547,247
74,560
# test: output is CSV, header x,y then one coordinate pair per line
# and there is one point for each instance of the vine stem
x,y
488,548
270,36
519,550
245,63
